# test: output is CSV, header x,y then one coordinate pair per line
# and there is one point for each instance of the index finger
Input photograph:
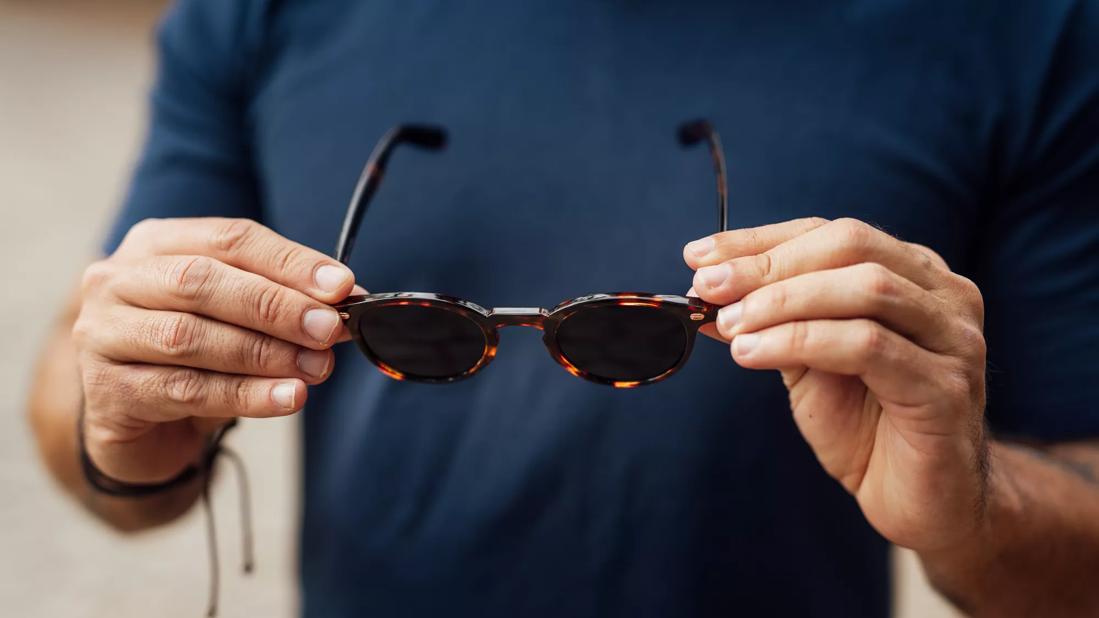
x,y
249,246
747,241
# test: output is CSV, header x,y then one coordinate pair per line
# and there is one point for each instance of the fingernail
x,y
713,276
701,247
313,362
283,395
320,324
727,317
744,344
331,278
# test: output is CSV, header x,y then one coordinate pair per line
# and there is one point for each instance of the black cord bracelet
x,y
114,487
104,484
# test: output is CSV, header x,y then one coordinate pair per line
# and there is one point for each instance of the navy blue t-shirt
x,y
968,126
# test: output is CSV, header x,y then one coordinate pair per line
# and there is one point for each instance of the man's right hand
x,y
193,322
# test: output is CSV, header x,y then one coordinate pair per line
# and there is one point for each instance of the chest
x,y
563,176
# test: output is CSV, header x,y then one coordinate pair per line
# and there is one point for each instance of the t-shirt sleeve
x,y
1038,259
196,159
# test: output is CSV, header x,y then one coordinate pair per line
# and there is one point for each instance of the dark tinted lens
x,y
426,342
621,342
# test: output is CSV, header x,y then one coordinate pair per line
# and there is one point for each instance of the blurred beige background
x,y
73,78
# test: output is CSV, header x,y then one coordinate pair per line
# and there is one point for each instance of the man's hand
x,y
881,348
193,322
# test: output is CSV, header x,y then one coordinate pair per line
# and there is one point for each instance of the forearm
x,y
53,409
1038,550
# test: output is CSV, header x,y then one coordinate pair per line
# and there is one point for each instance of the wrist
x,y
112,485
155,455
962,571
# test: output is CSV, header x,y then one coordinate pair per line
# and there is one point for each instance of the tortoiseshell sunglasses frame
x,y
692,312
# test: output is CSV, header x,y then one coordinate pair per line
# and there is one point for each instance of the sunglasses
x,y
623,339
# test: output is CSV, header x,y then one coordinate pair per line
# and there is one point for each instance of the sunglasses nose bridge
x,y
533,317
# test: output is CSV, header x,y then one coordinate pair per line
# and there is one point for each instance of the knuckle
x,y
81,331
968,286
237,394
177,335
815,222
971,295
268,304
877,280
799,337
232,235
90,331
107,386
141,230
853,234
190,276
112,388
972,343
145,227
124,386
871,338
765,266
99,376
259,353
288,257
184,386
96,276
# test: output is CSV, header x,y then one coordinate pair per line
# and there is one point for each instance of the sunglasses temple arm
x,y
691,133
427,137
434,138
718,156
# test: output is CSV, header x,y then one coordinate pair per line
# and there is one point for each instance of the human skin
x,y
880,347
194,321
190,323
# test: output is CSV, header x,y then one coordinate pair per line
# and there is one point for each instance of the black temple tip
x,y
424,136
693,132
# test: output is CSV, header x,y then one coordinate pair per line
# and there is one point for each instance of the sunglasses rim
x,y
692,312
